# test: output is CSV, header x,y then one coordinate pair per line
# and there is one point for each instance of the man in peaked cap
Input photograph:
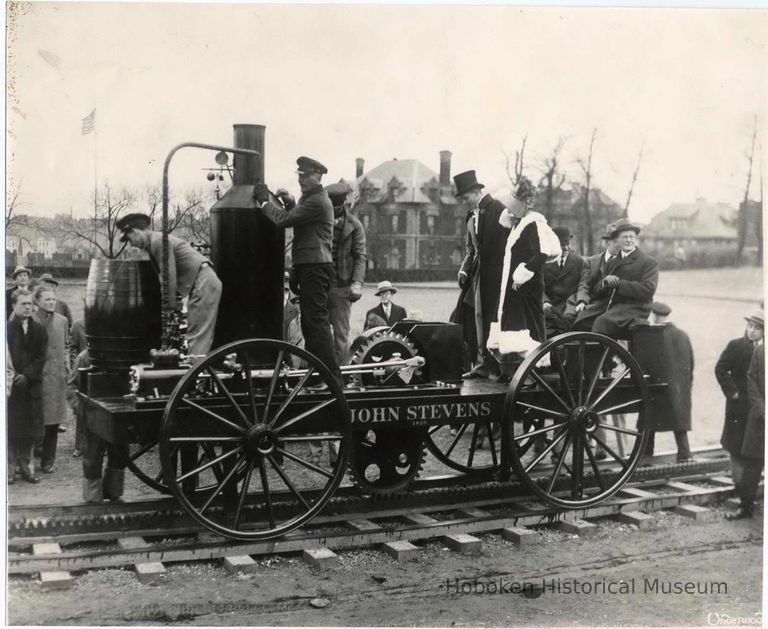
x,y
481,270
20,276
561,281
191,276
312,222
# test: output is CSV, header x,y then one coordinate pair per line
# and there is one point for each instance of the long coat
x,y
56,367
753,446
520,318
638,275
561,283
674,410
484,258
731,373
25,414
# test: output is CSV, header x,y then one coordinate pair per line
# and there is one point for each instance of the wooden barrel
x,y
122,312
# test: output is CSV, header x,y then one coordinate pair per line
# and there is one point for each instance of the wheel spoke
x,y
577,474
549,389
209,454
220,486
595,468
459,433
473,445
228,395
304,415
291,395
205,466
273,384
581,372
538,431
143,450
324,437
546,450
559,465
563,378
249,382
618,407
491,444
203,439
267,492
243,494
288,482
610,451
609,388
548,411
213,415
596,375
306,464
625,431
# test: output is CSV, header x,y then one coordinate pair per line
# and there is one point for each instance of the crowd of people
x,y
519,284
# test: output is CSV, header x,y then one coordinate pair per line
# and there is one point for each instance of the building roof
x,y
699,219
409,180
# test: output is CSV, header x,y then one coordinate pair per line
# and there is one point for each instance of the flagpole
x,y
95,188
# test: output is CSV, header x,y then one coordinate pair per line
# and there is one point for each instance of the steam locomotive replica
x,y
228,434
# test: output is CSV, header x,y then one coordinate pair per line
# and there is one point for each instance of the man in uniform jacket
x,y
387,311
27,341
480,272
348,252
20,276
311,249
561,281
190,275
623,297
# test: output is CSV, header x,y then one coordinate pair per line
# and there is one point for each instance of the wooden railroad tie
x,y
320,558
147,571
54,579
642,521
458,541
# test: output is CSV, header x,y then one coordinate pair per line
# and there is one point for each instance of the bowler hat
x,y
308,165
465,182
135,220
386,285
608,233
660,309
338,192
623,225
563,234
757,317
48,278
20,269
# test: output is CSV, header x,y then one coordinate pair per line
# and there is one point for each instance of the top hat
x,y
386,285
757,317
608,233
660,309
465,182
20,269
135,220
47,278
338,193
563,234
308,165
623,225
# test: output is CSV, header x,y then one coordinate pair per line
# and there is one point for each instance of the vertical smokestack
x,y
359,164
248,169
445,168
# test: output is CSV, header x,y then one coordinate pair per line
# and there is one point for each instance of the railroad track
x,y
149,533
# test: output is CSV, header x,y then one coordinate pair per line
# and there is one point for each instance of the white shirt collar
x,y
624,255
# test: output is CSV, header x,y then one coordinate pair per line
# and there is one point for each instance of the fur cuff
x,y
522,274
510,341
506,219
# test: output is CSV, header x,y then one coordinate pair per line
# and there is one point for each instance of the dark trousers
x,y
681,439
314,285
50,440
746,487
93,455
19,452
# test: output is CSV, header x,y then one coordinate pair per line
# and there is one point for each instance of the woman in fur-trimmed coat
x,y
519,325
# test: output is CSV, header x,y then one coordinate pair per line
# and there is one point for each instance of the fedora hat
x,y
20,269
608,233
466,181
623,225
47,278
757,317
386,285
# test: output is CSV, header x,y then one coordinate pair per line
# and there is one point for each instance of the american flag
x,y
89,123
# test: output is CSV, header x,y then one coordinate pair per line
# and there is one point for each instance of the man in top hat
x,y
623,296
20,276
312,222
46,279
348,253
191,276
481,269
387,312
561,281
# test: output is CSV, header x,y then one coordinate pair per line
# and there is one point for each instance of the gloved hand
x,y
580,306
610,281
547,306
19,380
260,193
462,279
286,198
355,291
293,281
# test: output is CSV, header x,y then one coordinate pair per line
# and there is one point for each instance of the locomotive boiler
x,y
228,435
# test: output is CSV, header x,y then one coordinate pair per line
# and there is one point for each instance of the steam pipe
x,y
164,269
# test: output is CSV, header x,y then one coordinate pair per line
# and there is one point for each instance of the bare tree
x,y
633,182
12,203
514,176
182,211
552,179
743,215
759,221
586,167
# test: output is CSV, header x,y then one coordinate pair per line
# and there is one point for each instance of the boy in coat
x,y
561,281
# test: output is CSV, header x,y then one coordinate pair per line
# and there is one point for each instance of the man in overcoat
x,y
480,272
593,270
21,277
623,297
62,307
27,341
561,281
673,411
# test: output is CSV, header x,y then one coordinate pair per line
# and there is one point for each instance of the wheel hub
x,y
584,418
260,439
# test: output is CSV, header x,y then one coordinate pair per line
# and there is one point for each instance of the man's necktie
x,y
562,263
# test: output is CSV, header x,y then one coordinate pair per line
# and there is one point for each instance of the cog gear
x,y
386,461
380,347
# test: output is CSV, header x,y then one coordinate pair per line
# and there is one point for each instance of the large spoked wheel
x,y
576,409
468,448
234,442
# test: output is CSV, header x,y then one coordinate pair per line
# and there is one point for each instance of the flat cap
x,y
338,192
136,220
660,309
309,165
48,279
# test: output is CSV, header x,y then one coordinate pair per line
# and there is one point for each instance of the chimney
x,y
445,168
359,164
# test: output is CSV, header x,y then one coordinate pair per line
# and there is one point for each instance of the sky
x,y
381,82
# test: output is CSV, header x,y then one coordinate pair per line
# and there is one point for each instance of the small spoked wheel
x,y
144,462
576,409
468,448
236,433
